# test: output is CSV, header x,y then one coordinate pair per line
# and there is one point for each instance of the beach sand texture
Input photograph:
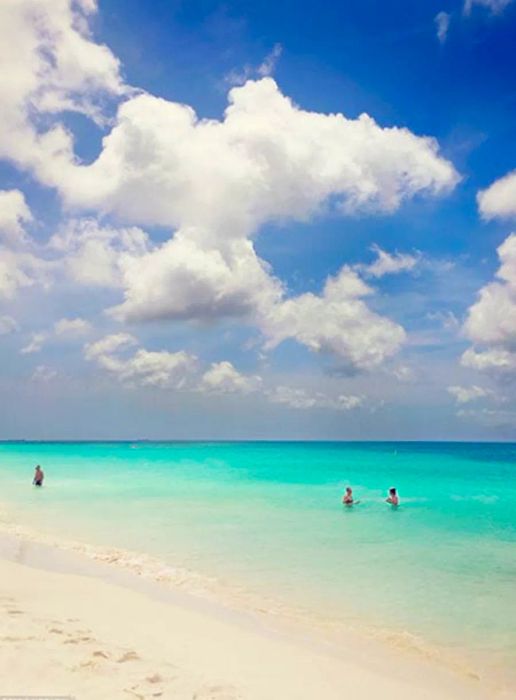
x,y
78,634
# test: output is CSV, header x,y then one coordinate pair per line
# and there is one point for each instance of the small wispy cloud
x,y
266,68
495,6
442,24
389,263
465,394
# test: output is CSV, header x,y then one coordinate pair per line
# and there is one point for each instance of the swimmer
x,y
38,476
347,499
393,498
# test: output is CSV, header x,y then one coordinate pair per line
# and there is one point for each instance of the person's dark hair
x,y
392,491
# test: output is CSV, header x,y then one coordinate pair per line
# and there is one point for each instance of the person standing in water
x,y
393,498
38,476
347,499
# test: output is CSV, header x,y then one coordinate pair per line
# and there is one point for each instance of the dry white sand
x,y
78,634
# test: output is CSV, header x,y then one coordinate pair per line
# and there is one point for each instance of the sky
x,y
228,220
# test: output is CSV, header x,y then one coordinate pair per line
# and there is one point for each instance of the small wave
x,y
237,597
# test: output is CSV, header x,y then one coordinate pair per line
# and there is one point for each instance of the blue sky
x,y
291,269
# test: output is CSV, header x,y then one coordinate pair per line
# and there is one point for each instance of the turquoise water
x,y
268,517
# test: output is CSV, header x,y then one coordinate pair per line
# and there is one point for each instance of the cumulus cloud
x,y
145,368
499,199
337,322
215,183
464,394
442,25
266,160
496,360
62,69
304,400
222,377
491,320
389,263
183,279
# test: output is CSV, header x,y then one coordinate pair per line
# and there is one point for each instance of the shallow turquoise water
x,y
268,516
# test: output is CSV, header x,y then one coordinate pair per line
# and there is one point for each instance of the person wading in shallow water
x,y
347,499
393,498
38,476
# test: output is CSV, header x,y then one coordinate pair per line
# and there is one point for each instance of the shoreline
x,y
371,664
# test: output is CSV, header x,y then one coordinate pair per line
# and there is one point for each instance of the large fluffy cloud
x,y
214,183
49,64
184,279
337,322
267,159
491,321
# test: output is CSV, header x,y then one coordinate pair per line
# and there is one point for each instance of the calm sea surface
x,y
268,517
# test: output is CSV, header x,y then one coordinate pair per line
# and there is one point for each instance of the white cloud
x,y
19,266
267,159
404,373
109,345
304,400
495,6
268,65
186,279
464,394
265,69
496,360
492,319
95,255
8,325
447,319
49,64
499,199
389,263
72,327
442,25
35,343
222,377
43,373
214,182
337,322
14,213
166,370
180,371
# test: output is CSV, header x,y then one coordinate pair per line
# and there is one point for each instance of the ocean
x,y
266,520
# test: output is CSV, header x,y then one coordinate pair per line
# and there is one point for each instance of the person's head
x,y
348,489
38,468
392,491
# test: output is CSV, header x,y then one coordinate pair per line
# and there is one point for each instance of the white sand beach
x,y
76,628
